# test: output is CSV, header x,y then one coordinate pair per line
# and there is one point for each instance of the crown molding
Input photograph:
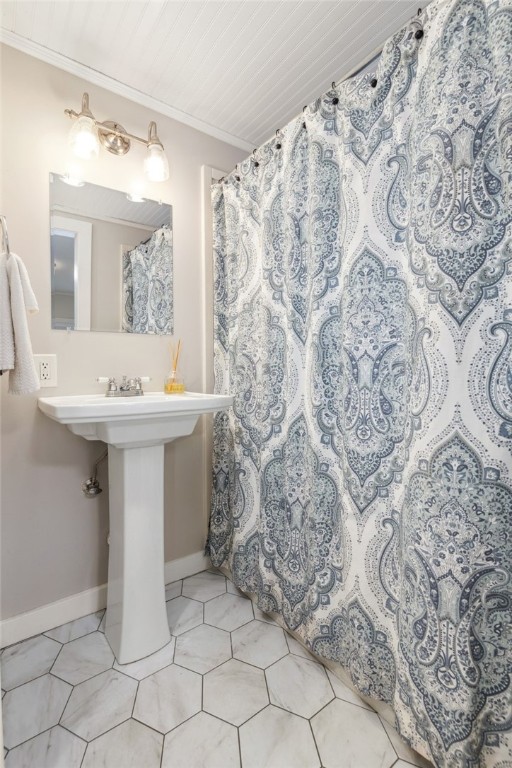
x,y
42,53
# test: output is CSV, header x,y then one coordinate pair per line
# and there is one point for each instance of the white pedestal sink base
x,y
135,429
136,621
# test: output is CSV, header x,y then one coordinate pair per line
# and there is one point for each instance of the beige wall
x,y
53,539
107,271
108,242
108,239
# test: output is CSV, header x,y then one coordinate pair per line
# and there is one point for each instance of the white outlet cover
x,y
46,367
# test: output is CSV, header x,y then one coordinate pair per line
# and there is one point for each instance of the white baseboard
x,y
81,604
52,615
186,566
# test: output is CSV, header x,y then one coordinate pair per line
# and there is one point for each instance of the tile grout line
x,y
314,740
135,698
32,679
388,738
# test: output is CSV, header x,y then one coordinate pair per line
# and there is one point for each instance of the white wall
x,y
53,539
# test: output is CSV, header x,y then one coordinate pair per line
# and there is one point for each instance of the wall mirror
x,y
111,260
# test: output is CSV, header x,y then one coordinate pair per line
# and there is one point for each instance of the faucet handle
x,y
110,381
139,380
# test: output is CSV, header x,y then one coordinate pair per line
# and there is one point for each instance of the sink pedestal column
x,y
136,621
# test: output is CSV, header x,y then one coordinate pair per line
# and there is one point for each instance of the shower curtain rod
x,y
351,73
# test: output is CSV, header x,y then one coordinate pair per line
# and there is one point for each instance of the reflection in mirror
x,y
111,260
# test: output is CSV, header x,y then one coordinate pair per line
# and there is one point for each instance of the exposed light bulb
x,y
156,166
83,138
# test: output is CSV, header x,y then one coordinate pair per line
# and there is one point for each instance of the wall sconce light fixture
x,y
87,133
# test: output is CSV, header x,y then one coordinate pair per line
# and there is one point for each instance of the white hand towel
x,y
6,329
23,379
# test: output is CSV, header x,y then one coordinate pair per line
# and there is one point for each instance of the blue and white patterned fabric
x,y
147,285
363,322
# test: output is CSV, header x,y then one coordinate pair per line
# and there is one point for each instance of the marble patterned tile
x,y
228,612
298,685
202,742
173,589
26,660
230,587
234,691
231,693
130,745
55,748
168,698
259,644
99,704
204,586
342,691
345,731
262,616
32,708
203,648
150,664
297,648
101,627
183,614
83,658
402,749
275,739
78,628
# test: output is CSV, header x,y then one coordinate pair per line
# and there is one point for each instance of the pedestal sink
x,y
136,429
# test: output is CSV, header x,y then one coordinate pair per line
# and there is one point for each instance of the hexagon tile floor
x,y
231,690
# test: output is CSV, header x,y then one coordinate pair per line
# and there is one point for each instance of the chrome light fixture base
x,y
113,137
89,133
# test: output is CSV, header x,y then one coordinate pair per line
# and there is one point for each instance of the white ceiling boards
x,y
237,69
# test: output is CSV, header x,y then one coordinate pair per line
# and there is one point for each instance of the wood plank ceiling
x,y
239,66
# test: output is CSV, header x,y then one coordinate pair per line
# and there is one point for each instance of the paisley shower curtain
x,y
363,322
147,285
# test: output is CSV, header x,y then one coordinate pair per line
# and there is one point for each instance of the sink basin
x,y
150,419
136,429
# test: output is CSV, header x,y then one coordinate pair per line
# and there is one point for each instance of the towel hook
x,y
5,236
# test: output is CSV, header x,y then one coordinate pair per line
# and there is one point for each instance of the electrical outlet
x,y
46,367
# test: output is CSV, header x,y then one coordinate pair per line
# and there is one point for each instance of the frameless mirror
x,y
111,260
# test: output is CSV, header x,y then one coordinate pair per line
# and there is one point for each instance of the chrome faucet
x,y
127,388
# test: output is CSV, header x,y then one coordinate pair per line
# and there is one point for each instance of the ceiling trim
x,y
32,48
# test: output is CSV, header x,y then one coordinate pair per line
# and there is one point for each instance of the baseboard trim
x,y
186,566
31,623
